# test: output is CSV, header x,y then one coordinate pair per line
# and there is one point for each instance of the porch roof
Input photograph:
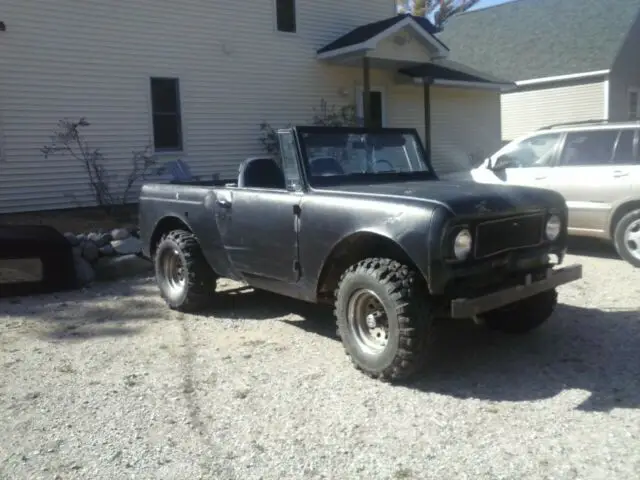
x,y
366,37
447,72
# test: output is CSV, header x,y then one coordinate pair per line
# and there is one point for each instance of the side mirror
x,y
503,162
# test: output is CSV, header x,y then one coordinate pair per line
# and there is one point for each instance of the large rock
x,y
72,239
120,234
108,250
90,251
84,271
100,239
127,246
113,268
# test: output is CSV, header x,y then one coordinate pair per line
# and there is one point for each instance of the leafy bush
x,y
68,139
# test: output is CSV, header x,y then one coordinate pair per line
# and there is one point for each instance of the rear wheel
x,y
383,318
183,275
523,316
626,237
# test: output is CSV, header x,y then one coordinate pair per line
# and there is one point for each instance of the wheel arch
x,y
619,212
165,225
351,249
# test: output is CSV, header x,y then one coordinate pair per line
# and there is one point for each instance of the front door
x,y
260,232
259,226
530,162
377,106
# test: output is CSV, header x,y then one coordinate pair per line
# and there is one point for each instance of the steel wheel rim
x,y
368,322
632,239
173,271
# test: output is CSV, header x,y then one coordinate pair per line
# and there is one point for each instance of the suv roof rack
x,y
591,122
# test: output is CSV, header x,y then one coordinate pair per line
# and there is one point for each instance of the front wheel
x,y
186,281
626,238
383,319
523,316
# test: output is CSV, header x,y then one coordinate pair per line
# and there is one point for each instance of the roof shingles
x,y
526,39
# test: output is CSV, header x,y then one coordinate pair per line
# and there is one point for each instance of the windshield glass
x,y
335,157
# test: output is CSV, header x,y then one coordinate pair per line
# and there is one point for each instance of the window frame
x,y
636,91
180,148
555,151
298,185
295,18
561,163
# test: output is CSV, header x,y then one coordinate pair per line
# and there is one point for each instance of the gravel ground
x,y
109,384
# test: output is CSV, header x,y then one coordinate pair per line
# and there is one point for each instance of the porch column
x,y
366,91
426,85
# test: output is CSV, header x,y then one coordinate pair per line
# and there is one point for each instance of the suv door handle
x,y
620,173
541,177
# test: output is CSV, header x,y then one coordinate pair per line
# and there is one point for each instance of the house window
x,y
167,120
286,15
634,104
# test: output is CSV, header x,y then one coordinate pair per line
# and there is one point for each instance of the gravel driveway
x,y
109,384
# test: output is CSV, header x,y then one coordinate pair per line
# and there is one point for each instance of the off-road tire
x,y
618,237
402,293
523,316
198,289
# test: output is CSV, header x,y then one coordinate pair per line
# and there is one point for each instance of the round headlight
x,y
553,227
462,244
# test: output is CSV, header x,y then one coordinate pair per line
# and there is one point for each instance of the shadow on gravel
x,y
246,303
592,247
597,351
580,348
114,310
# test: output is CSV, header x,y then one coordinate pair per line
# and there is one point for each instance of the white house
x,y
195,78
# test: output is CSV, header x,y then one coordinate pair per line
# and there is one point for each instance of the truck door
x,y
261,234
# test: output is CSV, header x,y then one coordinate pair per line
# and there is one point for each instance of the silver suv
x,y
594,165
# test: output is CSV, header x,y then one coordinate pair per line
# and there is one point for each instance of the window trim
x,y
167,151
555,155
635,90
560,160
295,18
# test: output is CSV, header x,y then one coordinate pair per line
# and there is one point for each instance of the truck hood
x,y
462,198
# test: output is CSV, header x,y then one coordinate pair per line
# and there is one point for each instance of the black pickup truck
x,y
356,217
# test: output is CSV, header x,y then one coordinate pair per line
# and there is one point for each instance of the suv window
x,y
624,154
534,151
592,147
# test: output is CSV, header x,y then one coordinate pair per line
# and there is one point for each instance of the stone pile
x,y
107,255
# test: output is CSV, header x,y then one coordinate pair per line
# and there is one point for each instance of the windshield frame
x,y
362,178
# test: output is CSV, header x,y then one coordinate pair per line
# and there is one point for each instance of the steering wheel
x,y
390,169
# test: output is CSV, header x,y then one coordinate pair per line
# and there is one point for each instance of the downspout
x,y
426,85
366,91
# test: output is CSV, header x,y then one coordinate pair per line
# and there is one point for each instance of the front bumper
x,y
470,307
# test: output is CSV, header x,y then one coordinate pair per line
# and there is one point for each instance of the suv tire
x,y
186,281
383,320
523,316
626,237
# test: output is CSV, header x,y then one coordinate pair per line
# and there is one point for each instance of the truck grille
x,y
495,236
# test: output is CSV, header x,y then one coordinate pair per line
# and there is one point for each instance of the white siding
x,y
527,110
406,108
60,59
463,123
